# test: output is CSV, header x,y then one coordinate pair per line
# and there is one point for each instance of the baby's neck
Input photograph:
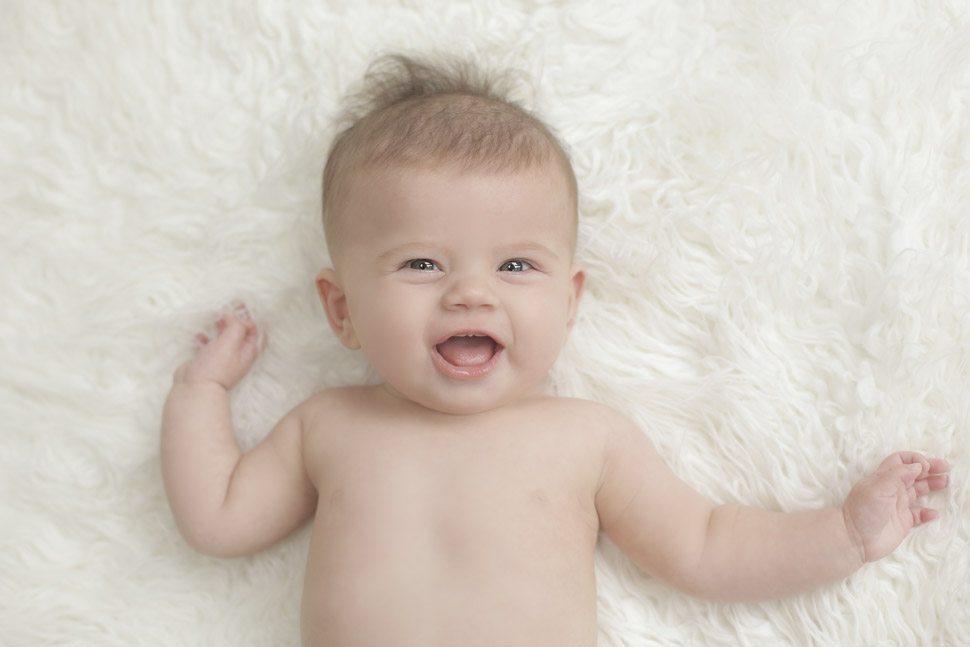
x,y
409,407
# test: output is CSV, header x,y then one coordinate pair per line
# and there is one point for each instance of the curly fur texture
x,y
775,219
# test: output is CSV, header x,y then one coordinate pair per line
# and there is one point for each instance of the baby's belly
x,y
511,568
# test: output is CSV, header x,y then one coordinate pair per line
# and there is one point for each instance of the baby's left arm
x,y
736,552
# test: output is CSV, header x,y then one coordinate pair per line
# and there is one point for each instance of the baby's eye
x,y
423,265
515,265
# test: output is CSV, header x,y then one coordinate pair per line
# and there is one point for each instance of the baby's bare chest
x,y
458,489
448,522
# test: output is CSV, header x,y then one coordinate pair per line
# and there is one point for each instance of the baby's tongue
x,y
467,351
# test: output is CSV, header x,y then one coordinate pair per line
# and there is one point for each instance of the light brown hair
x,y
415,112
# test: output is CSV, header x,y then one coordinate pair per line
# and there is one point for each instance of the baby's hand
x,y
882,507
225,359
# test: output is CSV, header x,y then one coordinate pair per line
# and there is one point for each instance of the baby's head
x,y
413,114
450,216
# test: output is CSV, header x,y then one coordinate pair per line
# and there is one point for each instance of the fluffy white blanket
x,y
775,220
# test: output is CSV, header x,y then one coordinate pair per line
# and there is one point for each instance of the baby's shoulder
x,y
587,430
332,404
589,415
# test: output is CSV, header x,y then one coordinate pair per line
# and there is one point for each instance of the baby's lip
x,y
471,332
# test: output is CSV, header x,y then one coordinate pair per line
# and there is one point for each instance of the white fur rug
x,y
775,220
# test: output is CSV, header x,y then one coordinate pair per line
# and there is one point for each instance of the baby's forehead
x,y
392,201
461,187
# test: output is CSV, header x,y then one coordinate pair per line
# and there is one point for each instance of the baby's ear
x,y
578,281
334,301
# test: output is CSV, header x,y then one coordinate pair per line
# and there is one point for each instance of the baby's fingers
x,y
934,476
931,483
894,461
233,328
254,340
923,515
241,333
939,466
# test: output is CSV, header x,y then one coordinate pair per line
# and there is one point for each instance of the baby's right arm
x,y
225,503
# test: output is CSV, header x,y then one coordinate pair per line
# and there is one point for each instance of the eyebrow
x,y
529,248
397,249
509,249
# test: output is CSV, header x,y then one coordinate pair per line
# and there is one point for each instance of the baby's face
x,y
460,286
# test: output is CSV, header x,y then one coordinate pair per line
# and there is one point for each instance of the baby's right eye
x,y
423,265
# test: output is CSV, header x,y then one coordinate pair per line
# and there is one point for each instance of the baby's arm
x,y
745,553
226,503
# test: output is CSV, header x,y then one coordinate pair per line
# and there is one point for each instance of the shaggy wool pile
x,y
775,223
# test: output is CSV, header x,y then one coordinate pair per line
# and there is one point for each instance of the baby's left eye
x,y
422,264
515,265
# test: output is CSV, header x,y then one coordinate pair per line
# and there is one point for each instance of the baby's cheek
x,y
377,309
397,322
546,330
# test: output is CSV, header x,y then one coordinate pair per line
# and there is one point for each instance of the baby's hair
x,y
414,112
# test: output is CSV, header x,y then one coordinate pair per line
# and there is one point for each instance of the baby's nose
x,y
469,292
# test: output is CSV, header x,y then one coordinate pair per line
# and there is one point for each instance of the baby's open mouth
x,y
467,350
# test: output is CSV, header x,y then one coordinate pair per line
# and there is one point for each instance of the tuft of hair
x,y
415,112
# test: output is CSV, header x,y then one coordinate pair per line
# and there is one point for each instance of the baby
x,y
455,503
